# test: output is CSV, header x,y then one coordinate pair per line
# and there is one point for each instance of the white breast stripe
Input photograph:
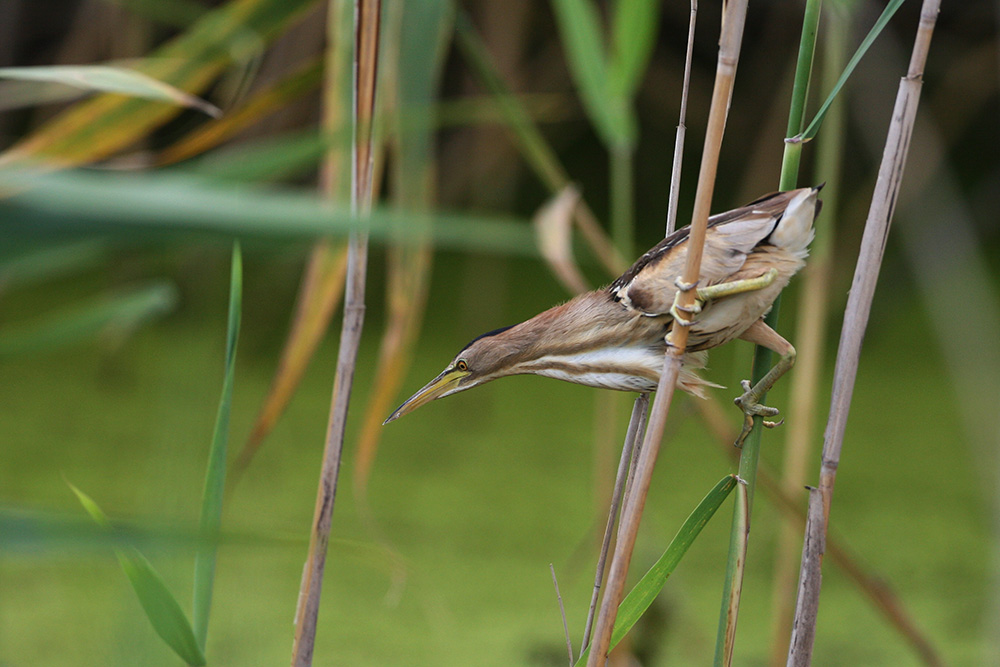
x,y
593,363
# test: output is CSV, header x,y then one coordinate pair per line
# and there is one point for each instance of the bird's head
x,y
488,357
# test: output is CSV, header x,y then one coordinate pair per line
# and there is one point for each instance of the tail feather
x,y
794,231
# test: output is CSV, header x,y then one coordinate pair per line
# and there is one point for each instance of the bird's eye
x,y
462,365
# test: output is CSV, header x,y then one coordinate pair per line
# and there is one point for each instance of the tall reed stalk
x,y
366,42
640,412
855,322
732,36
810,333
681,133
750,454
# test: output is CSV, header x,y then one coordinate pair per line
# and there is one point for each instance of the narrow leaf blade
x,y
633,36
873,34
92,508
215,476
108,79
120,311
162,609
726,641
269,99
98,127
580,28
642,595
78,201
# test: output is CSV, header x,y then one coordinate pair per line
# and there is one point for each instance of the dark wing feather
x,y
654,254
646,285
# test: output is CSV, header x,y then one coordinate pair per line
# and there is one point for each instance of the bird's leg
x,y
737,286
761,334
684,316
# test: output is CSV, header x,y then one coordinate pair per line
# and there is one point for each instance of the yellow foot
x,y
748,402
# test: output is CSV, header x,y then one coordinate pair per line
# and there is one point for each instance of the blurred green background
x,y
446,559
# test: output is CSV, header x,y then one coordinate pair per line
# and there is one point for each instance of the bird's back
x,y
648,286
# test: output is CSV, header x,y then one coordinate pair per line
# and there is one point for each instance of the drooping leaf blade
x,y
269,99
120,311
642,595
161,607
106,79
98,127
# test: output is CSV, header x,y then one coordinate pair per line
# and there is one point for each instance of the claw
x,y
683,286
676,309
748,402
687,319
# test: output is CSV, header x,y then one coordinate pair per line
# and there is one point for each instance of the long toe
x,y
747,427
750,404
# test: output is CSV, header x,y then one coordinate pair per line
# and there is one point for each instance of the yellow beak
x,y
436,388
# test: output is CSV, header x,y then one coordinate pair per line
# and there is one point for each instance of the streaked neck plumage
x,y
590,340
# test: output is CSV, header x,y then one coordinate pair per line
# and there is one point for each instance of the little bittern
x,y
616,337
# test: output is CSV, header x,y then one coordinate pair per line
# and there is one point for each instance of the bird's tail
x,y
794,231
689,380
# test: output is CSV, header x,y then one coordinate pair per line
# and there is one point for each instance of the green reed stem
x,y
762,356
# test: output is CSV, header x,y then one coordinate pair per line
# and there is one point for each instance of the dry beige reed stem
x,y
733,21
855,322
640,411
366,16
636,428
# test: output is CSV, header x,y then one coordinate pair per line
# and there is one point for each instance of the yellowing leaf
x,y
96,78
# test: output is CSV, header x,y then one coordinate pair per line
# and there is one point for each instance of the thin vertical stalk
x,y
731,40
741,519
562,612
750,456
873,586
640,411
810,335
855,322
366,38
622,213
636,429
675,169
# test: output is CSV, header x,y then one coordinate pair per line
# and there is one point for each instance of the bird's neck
x,y
589,340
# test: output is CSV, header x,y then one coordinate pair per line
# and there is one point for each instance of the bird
x,y
616,337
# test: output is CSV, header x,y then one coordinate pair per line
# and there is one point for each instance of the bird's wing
x,y
649,285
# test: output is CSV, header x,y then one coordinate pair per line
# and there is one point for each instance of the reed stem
x,y
366,39
733,21
750,455
856,314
